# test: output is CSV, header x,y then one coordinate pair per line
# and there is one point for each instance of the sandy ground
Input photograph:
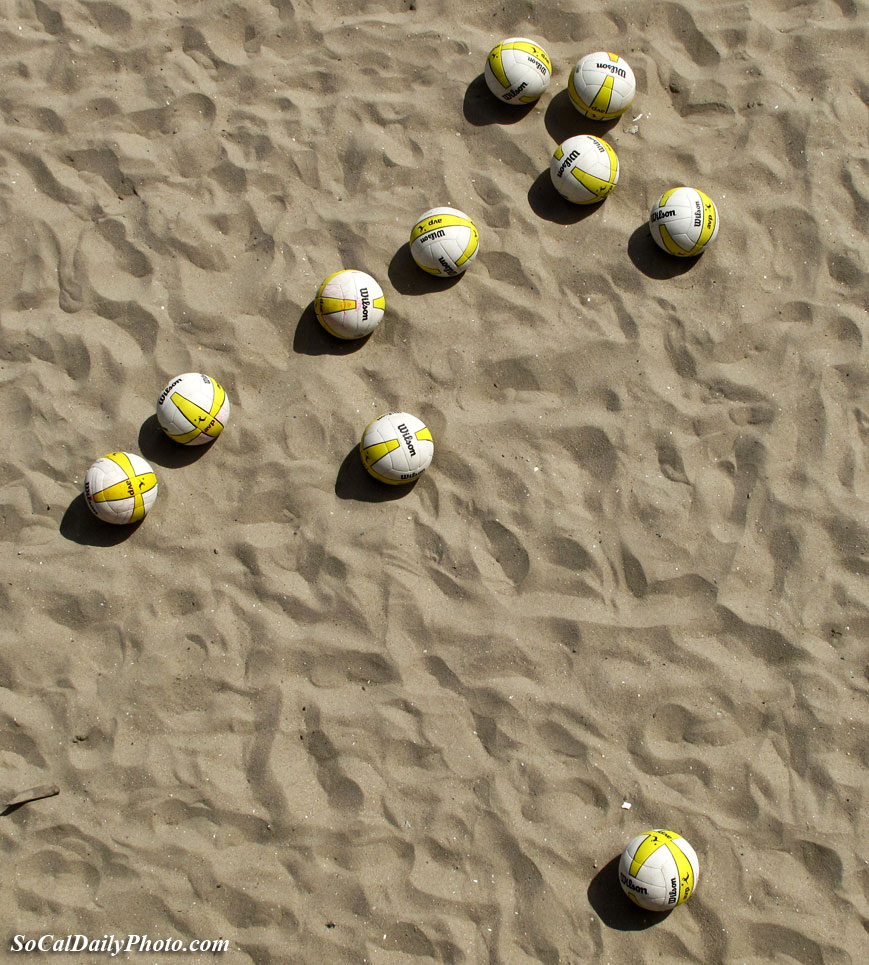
x,y
333,722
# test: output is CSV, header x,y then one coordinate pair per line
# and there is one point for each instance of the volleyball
x,y
658,870
684,221
444,241
517,71
396,448
584,169
193,409
120,487
349,304
602,85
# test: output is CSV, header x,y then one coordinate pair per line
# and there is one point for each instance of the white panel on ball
x,y
584,169
684,221
602,85
517,70
120,487
658,870
349,304
193,409
396,448
444,241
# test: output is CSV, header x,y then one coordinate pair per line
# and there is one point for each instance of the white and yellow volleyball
x,y
444,241
602,85
120,487
396,448
584,169
517,70
684,221
658,870
193,409
349,304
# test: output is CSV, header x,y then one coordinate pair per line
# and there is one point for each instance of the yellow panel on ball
x,y
584,169
193,409
396,448
602,85
658,870
120,487
349,304
444,241
517,70
684,221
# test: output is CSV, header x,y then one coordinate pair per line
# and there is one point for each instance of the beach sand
x,y
335,722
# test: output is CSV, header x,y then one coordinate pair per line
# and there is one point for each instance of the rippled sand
x,y
332,722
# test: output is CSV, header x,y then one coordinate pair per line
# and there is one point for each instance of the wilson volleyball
x,y
684,221
584,169
349,304
396,448
602,86
120,487
517,71
193,409
658,870
444,241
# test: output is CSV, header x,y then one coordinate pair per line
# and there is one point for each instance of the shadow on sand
x,y
481,107
613,906
159,449
312,339
548,204
408,278
79,525
354,482
651,260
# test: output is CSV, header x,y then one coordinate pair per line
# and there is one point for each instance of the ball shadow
x,y
563,120
158,448
312,339
651,260
548,204
408,278
481,107
613,906
354,482
79,525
